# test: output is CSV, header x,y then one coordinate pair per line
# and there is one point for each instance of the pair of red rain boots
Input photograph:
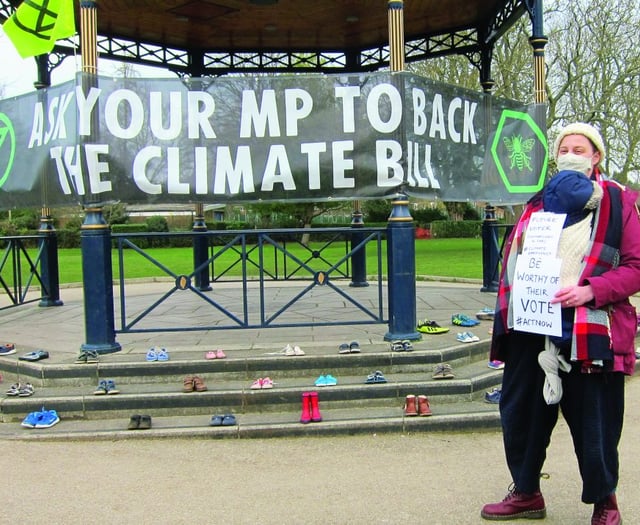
x,y
310,408
417,406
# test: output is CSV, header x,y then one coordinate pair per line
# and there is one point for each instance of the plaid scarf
x,y
590,339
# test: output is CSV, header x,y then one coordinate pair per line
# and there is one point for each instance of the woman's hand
x,y
573,296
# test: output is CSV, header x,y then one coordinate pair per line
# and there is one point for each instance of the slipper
x,y
152,355
354,347
344,349
298,351
34,356
220,354
210,355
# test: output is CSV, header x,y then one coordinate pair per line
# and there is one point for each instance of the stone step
x,y
236,396
243,366
474,415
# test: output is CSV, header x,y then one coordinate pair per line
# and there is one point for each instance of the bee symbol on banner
x,y
518,151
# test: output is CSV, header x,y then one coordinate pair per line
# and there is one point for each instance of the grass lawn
x,y
434,257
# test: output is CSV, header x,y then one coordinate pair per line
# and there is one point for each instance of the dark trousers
x,y
592,405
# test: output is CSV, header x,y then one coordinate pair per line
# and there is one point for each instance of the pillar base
x,y
101,349
411,336
50,302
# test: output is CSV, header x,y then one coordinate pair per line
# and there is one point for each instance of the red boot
x,y
516,505
606,512
315,409
410,406
423,406
306,408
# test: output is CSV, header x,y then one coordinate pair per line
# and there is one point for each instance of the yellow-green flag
x,y
37,24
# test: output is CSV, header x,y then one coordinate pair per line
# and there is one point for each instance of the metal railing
x,y
255,258
19,273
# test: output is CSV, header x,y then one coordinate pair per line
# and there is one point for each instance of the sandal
x,y
396,346
354,347
443,371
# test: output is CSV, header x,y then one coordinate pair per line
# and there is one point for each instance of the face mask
x,y
573,162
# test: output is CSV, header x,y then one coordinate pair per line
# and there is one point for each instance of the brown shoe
x,y
198,384
516,505
423,406
187,384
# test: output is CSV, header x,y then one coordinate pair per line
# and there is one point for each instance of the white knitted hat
x,y
581,128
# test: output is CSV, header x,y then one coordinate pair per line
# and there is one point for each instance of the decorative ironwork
x,y
213,62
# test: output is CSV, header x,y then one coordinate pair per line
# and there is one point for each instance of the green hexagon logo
x,y
516,140
7,147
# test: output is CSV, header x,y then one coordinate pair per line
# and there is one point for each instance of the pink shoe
x,y
516,505
606,512
220,354
257,384
267,383
210,355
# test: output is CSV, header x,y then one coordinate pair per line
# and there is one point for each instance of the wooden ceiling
x,y
283,25
212,37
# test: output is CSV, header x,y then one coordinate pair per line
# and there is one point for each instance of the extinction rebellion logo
x,y
7,147
517,137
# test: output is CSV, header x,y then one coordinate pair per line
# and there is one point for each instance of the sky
x,y
18,74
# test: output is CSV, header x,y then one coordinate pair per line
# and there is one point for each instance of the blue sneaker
x,y
47,419
31,420
463,320
493,396
321,381
330,380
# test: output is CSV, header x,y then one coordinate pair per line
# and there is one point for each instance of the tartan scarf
x,y
590,338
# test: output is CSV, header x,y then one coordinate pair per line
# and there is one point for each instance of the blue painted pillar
x,y
359,258
401,267
200,250
49,260
490,251
95,241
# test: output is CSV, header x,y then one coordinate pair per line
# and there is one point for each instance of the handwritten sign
x,y
537,277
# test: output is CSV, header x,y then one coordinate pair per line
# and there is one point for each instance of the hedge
x,y
456,229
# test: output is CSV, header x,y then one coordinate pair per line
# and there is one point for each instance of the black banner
x,y
266,138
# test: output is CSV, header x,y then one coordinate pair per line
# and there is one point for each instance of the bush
x,y
157,223
68,238
426,216
456,229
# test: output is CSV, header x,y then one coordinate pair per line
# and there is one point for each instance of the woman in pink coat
x,y
581,371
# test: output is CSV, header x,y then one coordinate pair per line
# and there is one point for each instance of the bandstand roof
x,y
212,37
